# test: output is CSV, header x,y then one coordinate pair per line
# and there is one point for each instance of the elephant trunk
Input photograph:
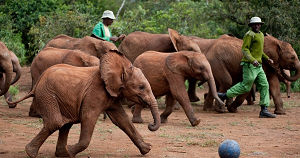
x,y
155,113
292,78
17,69
8,77
213,90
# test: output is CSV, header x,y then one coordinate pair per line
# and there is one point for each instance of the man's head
x,y
108,17
255,23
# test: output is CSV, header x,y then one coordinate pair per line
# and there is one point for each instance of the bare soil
x,y
257,137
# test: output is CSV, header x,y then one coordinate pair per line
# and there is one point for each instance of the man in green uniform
x,y
102,31
253,72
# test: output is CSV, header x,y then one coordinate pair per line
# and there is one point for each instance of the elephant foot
x,y
70,152
12,105
208,109
9,98
61,152
195,123
146,147
219,110
163,119
31,151
193,98
279,112
232,109
137,119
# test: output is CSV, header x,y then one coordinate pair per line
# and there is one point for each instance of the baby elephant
x,y
67,95
51,56
167,72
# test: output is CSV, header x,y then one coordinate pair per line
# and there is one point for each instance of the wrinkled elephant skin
x,y
50,56
90,91
167,72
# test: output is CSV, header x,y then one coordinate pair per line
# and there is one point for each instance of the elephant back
x,y
139,42
62,41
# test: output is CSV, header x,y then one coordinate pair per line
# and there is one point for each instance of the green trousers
x,y
252,74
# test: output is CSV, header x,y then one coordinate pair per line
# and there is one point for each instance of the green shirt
x,y
253,44
100,32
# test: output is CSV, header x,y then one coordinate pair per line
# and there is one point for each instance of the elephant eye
x,y
141,87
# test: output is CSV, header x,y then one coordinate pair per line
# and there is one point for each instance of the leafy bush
x,y
73,24
13,41
14,90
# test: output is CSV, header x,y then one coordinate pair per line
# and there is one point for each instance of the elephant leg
x,y
32,109
170,103
192,90
33,147
88,122
119,117
249,99
137,118
61,150
208,102
276,95
179,93
251,96
237,102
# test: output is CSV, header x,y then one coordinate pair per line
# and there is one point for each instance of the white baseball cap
x,y
108,14
255,20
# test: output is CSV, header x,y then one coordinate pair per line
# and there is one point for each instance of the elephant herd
x,y
76,79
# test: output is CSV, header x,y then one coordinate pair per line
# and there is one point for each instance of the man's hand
x,y
270,61
255,63
121,37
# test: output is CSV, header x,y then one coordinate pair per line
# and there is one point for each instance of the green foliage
x,y
14,90
13,41
189,21
73,24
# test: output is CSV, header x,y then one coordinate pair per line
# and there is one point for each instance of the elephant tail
x,y
13,104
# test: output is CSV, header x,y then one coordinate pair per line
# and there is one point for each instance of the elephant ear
x,y
113,71
174,35
106,46
179,63
181,42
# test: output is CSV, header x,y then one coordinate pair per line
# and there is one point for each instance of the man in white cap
x,y
102,31
253,72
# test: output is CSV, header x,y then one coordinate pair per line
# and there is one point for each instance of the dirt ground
x,y
257,137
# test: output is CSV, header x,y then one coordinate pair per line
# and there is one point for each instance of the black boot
x,y
264,113
222,96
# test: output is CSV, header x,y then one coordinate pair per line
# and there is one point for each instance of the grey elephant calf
x,y
66,95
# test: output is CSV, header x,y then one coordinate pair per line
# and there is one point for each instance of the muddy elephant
x,y
66,95
88,44
285,81
139,42
51,56
9,64
167,72
225,55
204,44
